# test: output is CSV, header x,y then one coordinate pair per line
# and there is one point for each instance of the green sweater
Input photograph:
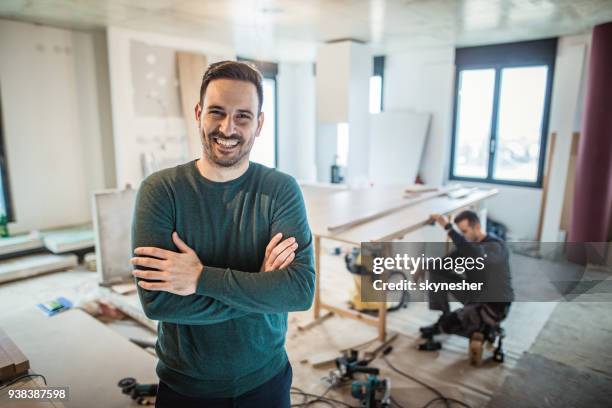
x,y
228,337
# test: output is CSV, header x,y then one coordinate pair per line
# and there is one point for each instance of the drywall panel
x,y
397,139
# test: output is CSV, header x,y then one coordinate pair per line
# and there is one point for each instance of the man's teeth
x,y
227,143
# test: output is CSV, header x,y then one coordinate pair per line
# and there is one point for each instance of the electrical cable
x,y
456,401
316,399
14,380
440,396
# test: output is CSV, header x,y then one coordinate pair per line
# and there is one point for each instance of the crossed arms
x,y
175,287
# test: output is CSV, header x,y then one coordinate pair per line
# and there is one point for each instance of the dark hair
x,y
470,216
237,70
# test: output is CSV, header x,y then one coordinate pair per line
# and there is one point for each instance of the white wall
x,y
422,80
296,120
565,118
54,123
137,135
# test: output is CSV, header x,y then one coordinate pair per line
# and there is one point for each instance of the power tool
x,y
373,392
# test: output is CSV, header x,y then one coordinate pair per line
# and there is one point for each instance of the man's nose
x,y
227,126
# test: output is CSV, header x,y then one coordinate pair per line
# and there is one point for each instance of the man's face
x,y
470,232
228,121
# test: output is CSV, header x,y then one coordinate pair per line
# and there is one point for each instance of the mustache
x,y
220,135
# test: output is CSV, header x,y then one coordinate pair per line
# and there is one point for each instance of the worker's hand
x,y
419,276
279,254
176,272
440,219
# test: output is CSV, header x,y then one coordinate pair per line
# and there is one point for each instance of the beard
x,y
226,151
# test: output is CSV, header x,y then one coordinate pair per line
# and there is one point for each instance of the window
x,y
376,85
6,207
264,149
502,102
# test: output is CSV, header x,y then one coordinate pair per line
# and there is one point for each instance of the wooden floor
x,y
448,370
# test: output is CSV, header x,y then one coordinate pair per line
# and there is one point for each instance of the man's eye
x,y
216,113
243,116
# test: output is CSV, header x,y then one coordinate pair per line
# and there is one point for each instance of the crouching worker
x,y
482,310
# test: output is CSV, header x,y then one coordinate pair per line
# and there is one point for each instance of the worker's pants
x,y
439,300
473,316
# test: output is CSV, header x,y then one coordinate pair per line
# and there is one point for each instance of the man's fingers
x,y
282,246
148,262
280,258
153,275
273,242
287,261
183,247
154,285
156,252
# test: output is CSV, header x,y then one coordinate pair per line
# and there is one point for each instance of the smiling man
x,y
211,262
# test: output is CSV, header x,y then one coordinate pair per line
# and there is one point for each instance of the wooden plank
x,y
401,222
549,155
31,265
7,367
351,314
570,183
191,68
20,361
317,295
20,243
361,206
314,322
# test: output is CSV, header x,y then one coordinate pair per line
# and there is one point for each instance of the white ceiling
x,y
291,29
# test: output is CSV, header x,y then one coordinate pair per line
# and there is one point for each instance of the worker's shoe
x,y
475,349
430,331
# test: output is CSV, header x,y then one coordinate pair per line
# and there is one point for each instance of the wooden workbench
x,y
373,215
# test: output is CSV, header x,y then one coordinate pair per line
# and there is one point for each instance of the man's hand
x,y
440,219
279,254
177,272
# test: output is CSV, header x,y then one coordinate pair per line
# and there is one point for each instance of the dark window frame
x,y
269,70
378,69
498,57
6,188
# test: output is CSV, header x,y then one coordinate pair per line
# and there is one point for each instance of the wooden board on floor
x,y
74,349
32,265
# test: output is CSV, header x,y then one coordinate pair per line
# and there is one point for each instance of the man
x,y
488,306
210,261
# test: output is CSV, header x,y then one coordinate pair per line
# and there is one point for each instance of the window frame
x,y
378,69
6,188
498,57
269,70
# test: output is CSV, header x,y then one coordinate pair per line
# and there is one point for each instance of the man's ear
x,y
198,112
260,122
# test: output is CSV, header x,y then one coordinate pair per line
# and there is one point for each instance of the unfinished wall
x,y
55,127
